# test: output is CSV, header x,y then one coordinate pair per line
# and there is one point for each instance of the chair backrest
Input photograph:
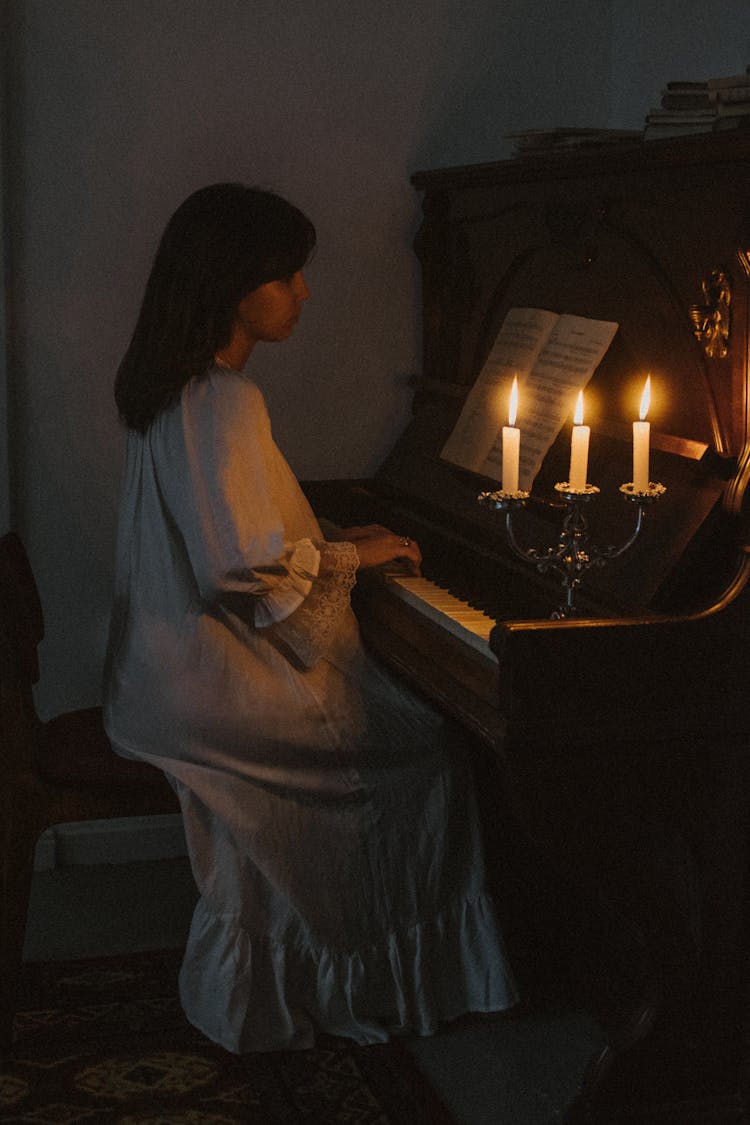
x,y
21,616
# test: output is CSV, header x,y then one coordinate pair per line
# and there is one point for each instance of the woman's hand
x,y
378,546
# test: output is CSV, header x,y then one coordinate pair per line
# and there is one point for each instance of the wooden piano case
x,y
624,734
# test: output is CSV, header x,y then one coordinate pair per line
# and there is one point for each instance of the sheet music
x,y
474,443
567,361
554,357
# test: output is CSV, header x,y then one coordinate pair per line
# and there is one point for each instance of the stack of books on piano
x,y
701,107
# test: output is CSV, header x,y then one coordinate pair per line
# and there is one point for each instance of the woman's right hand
x,y
378,546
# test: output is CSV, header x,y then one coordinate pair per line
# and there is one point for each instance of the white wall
x,y
120,109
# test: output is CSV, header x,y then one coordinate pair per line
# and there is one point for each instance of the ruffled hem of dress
x,y
259,995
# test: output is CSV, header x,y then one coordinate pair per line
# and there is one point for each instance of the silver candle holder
x,y
572,555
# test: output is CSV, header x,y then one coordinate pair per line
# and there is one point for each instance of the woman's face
x,y
271,311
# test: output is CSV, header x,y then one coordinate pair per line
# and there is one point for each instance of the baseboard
x,y
125,840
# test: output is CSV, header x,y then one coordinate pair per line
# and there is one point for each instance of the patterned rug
x,y
104,1042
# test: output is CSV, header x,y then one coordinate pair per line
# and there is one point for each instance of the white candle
x,y
579,449
511,443
641,437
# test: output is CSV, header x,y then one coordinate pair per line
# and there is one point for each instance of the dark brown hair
x,y
221,243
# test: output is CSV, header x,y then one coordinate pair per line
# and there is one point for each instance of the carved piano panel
x,y
637,231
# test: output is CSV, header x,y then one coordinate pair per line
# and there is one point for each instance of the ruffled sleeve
x,y
302,563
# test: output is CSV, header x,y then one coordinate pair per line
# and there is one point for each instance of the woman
x,y
334,845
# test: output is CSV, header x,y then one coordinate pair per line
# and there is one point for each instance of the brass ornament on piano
x,y
712,316
572,555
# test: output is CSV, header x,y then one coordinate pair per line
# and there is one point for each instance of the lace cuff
x,y
310,629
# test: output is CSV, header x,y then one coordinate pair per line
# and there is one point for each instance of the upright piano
x,y
622,733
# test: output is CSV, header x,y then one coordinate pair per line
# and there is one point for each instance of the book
x,y
734,109
688,100
553,356
661,130
732,94
724,124
682,116
729,81
678,86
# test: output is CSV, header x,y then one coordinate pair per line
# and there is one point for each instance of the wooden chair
x,y
51,772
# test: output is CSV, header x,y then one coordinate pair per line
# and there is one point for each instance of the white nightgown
x,y
333,839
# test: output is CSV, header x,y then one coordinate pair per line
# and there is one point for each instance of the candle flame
x,y
645,398
578,416
513,404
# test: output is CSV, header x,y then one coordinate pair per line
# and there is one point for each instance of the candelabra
x,y
572,556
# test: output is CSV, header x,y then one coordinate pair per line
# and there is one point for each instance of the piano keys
x,y
622,735
471,625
